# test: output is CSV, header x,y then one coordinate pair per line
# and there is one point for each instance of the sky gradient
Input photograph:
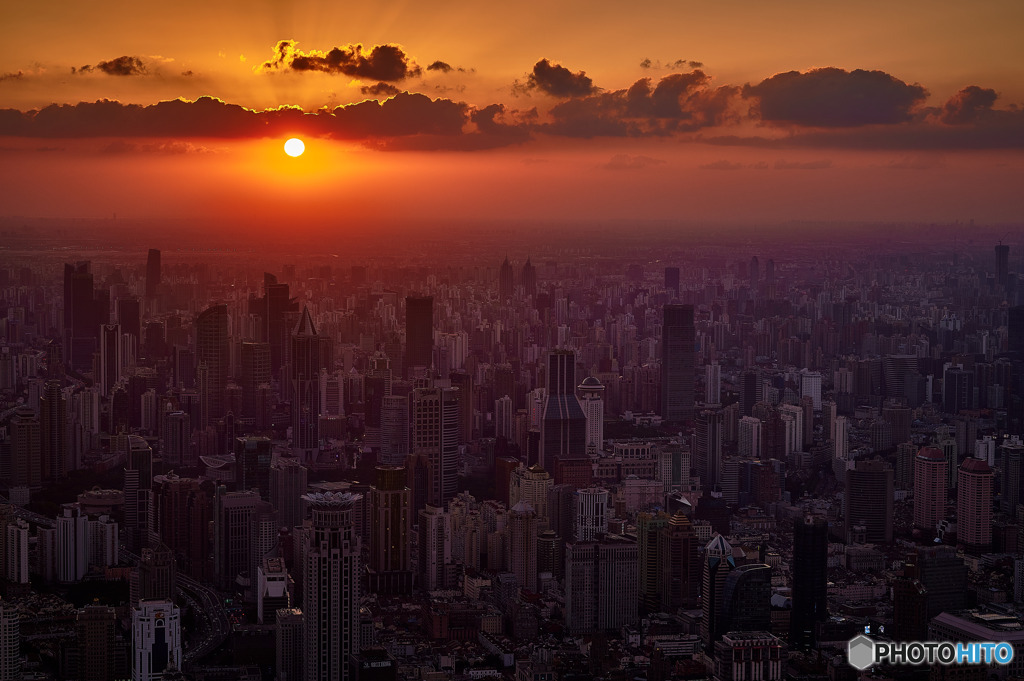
x,y
734,112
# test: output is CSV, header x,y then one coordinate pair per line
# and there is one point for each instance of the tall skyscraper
x,y
211,328
974,506
713,383
155,577
252,464
680,574
182,510
394,430
287,484
592,402
810,579
718,563
708,448
391,510
1002,263
749,438
138,485
153,274
275,308
930,489
306,362
435,432
532,485
677,362
755,273
288,644
53,422
506,280
95,626
84,311
649,547
433,547
746,599
232,533
563,426
868,501
600,584
529,278
419,332
522,544
591,513
254,371
10,642
331,583
156,639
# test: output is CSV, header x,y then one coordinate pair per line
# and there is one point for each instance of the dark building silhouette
x,y
506,280
129,317
435,432
95,627
1015,330
677,362
707,457
563,427
529,275
747,599
275,308
84,311
755,273
680,575
305,376
53,432
672,280
153,274
419,332
1002,264
868,500
252,464
748,392
810,579
211,330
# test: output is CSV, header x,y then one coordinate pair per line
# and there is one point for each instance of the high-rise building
x,y
84,311
708,448
529,274
868,501
592,401
1002,263
391,511
563,425
592,512
648,539
755,273
10,642
747,597
504,419
138,485
434,547
506,280
331,584
810,579
182,510
115,356
419,332
53,422
232,533
72,544
713,383
600,584
957,390
944,576
26,449
750,388
680,574
718,563
435,432
1015,330
672,280
252,464
211,328
156,639
750,437
974,506
677,362
254,371
532,485
930,489
276,308
288,478
95,627
749,654
463,381
153,274
394,430
306,362
288,645
155,577
522,544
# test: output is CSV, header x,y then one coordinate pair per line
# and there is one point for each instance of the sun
x,y
294,147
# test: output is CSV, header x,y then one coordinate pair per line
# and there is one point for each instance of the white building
x,y
156,639
72,544
591,513
810,385
750,441
17,552
713,383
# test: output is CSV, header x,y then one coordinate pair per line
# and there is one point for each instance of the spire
x,y
305,326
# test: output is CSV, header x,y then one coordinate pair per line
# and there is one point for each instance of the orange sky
x,y
914,115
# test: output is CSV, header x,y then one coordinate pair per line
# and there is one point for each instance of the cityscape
x,y
518,343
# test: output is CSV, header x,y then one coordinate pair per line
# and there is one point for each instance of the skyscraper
x,y
95,626
522,544
868,500
810,579
287,485
153,274
532,485
708,448
591,513
680,574
592,402
649,547
275,308
435,432
713,383
746,599
600,584
974,506
391,510
677,362
419,332
718,563
305,366
563,427
529,278
433,547
212,351
506,280
232,533
53,431
1002,263
930,489
84,311
156,639
10,642
331,584
252,464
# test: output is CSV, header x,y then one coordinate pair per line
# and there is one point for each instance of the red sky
x,y
735,111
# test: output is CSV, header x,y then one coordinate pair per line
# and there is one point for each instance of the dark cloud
x,y
122,66
439,65
379,90
380,62
803,165
968,105
679,102
722,165
832,97
627,162
559,81
12,76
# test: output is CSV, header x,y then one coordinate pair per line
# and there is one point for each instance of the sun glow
x,y
294,147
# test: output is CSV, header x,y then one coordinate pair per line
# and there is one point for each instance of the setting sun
x,y
294,147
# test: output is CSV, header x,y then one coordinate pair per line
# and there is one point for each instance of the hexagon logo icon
x,y
861,652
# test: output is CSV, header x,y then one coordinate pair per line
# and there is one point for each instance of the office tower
x,y
592,402
84,311
532,485
649,547
810,579
331,585
522,544
232,517
275,308
749,391
713,384
464,382
271,580
841,438
182,511
264,538
16,551
718,563
211,328
868,501
750,654
944,576
6,518
591,507
394,430
900,420
391,511
72,544
53,432
138,485
677,362
306,362
506,280
1002,264
95,626
1011,456
288,645
419,332
254,371
504,419
287,484
529,274
930,485
750,437
974,506
26,449
252,464
563,426
129,318
156,639
680,570
376,387
957,390
707,455
672,280
113,353
434,547
10,642
600,584
810,386
332,393
156,576
435,432
153,274
747,599
795,434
